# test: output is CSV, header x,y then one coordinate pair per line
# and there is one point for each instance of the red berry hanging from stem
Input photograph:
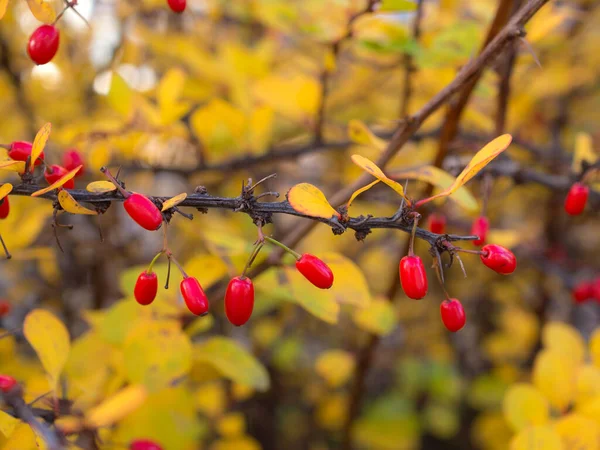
x,y
498,258
453,314
4,208
43,44
576,199
177,6
413,277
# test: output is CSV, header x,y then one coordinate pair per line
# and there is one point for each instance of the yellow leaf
x,y
42,10
524,405
100,187
335,367
39,143
369,166
583,152
360,191
578,432
332,411
555,378
309,200
260,129
295,97
232,425
237,443
350,285
481,159
440,179
70,205
13,166
120,96
379,318
173,201
3,7
69,424
233,361
170,88
156,354
537,438
7,424
50,340
359,133
595,347
22,438
116,407
5,189
211,399
588,383
564,339
58,183
320,303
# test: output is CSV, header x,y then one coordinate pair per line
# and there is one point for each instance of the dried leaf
x,y
58,183
70,205
308,199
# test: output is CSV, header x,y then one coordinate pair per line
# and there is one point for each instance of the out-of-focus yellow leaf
x,y
379,318
70,205
578,432
260,129
555,378
397,6
13,166
320,303
39,143
116,407
173,201
5,189
22,438
524,405
369,166
358,132
564,339
295,97
156,354
120,96
587,384
100,187
58,183
308,199
220,126
69,424
537,438
350,283
595,347
237,443
233,361
335,367
42,10
50,340
583,152
481,159
208,268
232,425
3,7
7,424
440,179
170,88
357,192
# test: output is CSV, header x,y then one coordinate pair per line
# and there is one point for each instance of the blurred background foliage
x,y
221,93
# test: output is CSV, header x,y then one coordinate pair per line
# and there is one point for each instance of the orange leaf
x,y
58,183
369,166
308,199
39,143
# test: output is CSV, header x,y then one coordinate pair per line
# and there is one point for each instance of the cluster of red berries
x,y
413,277
586,291
576,199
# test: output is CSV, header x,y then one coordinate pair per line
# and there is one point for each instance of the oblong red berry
x,y
4,308
7,383
453,314
194,296
576,199
144,444
20,151
315,271
73,159
480,228
55,172
596,289
583,292
141,209
43,44
239,300
4,208
177,6
146,288
413,277
498,258
437,223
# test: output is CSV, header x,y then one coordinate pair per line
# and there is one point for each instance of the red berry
x,y
576,199
194,296
20,150
453,314
437,223
498,258
4,208
141,209
480,228
177,6
7,383
315,271
239,300
145,288
43,44
413,277
71,160
4,308
144,444
583,292
596,289
54,173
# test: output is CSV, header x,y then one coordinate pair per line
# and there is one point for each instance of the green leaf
x,y
233,361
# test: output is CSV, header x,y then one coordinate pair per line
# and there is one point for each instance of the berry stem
x,y
6,252
253,256
268,177
411,244
473,252
283,246
60,14
179,266
158,255
114,181
168,273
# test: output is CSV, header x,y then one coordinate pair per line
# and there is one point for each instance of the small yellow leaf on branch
x,y
173,201
58,183
308,199
369,166
5,189
99,187
39,143
70,205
